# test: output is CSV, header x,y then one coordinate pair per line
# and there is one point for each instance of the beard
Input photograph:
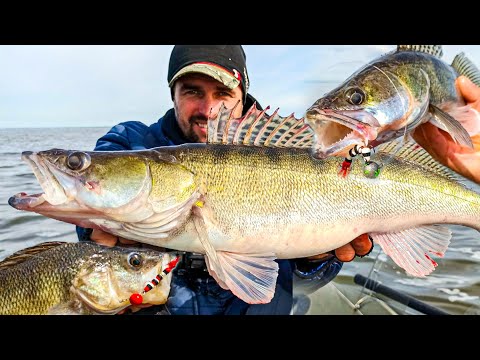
x,y
190,133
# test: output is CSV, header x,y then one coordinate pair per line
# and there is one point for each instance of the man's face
x,y
198,96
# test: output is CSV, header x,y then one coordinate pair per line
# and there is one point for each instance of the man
x,y
201,77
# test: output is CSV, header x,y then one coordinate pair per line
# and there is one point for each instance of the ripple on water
x,y
48,234
21,219
474,253
431,281
457,295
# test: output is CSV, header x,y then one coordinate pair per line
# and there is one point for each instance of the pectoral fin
x,y
410,248
468,117
448,123
251,277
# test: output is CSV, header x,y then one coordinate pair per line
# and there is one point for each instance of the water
x,y
453,287
23,229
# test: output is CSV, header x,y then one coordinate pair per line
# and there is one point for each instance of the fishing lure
x,y
371,169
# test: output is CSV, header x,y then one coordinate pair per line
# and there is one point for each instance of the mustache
x,y
198,118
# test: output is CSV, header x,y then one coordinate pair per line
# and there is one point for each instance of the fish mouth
x,y
23,201
118,299
336,132
54,192
54,202
70,212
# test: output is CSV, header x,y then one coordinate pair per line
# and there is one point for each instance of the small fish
x,y
79,278
252,194
389,97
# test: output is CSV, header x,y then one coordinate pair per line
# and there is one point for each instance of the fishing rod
x,y
397,296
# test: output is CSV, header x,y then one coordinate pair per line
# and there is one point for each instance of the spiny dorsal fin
x,y
411,151
465,66
435,50
257,128
25,254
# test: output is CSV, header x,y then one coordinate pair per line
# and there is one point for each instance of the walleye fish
x,y
388,98
79,278
252,194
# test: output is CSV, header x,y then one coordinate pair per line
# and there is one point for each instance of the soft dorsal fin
x,y
464,66
411,151
257,128
435,50
25,254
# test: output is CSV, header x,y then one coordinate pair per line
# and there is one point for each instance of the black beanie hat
x,y
225,63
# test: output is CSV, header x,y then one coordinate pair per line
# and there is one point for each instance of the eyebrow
x,y
190,86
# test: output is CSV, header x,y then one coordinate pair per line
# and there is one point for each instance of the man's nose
x,y
210,107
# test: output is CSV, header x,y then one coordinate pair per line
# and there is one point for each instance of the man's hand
x,y
106,239
441,146
360,246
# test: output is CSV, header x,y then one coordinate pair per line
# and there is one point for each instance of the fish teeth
x,y
348,136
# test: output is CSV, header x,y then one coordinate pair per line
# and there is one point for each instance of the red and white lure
x,y
137,299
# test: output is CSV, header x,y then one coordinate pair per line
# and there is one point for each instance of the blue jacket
x,y
199,294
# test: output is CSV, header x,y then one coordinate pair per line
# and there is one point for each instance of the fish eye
x,y
135,259
355,96
78,160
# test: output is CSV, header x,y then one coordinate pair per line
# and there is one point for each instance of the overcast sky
x,y
102,85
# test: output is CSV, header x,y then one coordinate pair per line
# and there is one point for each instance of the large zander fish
x,y
79,278
252,194
389,97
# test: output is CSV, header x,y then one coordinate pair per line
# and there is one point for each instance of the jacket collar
x,y
168,130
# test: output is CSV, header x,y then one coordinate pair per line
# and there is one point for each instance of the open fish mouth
x,y
336,132
54,192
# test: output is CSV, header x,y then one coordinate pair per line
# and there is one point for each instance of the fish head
x,y
111,190
77,184
106,280
369,104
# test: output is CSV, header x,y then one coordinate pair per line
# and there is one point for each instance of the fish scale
x,y
295,186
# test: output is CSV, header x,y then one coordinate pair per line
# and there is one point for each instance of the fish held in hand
x,y
252,194
81,278
389,97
